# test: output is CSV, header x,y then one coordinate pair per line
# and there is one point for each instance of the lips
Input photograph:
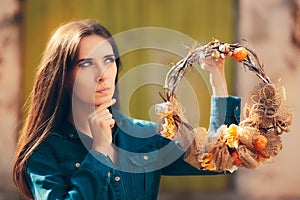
x,y
103,91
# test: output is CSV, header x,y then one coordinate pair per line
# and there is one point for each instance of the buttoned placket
x,y
117,184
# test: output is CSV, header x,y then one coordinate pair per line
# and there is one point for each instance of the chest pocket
x,y
68,166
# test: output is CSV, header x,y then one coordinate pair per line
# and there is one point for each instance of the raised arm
x,y
224,110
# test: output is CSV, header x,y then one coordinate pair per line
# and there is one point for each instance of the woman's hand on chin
x,y
101,123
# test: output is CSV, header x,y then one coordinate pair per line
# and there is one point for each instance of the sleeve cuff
x,y
224,110
226,107
233,109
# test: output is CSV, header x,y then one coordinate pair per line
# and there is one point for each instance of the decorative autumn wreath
x,y
254,141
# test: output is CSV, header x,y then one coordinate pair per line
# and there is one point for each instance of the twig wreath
x,y
254,141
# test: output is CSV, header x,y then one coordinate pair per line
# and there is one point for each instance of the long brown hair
x,y
49,103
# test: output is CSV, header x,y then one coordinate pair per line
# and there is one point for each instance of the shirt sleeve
x,y
224,110
90,181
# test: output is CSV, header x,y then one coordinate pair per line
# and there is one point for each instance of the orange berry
x,y
260,143
239,54
236,159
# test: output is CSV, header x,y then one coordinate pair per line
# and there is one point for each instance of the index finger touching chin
x,y
107,104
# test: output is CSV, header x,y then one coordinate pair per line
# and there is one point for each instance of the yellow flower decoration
x,y
169,129
206,161
231,136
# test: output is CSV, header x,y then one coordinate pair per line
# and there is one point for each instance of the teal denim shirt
x,y
63,167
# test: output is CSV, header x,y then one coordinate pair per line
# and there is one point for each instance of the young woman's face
x,y
92,79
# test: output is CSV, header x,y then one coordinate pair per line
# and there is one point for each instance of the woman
x,y
72,145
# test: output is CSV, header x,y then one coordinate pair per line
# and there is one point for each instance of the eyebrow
x,y
110,55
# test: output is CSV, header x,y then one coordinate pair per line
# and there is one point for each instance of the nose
x,y
102,74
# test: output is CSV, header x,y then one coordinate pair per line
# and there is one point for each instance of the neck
x,y
78,116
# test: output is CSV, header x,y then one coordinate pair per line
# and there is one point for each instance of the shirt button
x,y
77,165
108,174
117,178
146,157
71,135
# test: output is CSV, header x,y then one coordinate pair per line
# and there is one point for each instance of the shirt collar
x,y
68,130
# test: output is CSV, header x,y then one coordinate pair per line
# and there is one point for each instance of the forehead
x,y
94,46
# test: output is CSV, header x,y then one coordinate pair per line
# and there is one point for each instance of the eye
x,y
85,63
109,59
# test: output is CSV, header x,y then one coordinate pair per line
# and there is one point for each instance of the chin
x,y
100,101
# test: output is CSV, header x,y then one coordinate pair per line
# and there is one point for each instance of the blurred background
x,y
271,27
